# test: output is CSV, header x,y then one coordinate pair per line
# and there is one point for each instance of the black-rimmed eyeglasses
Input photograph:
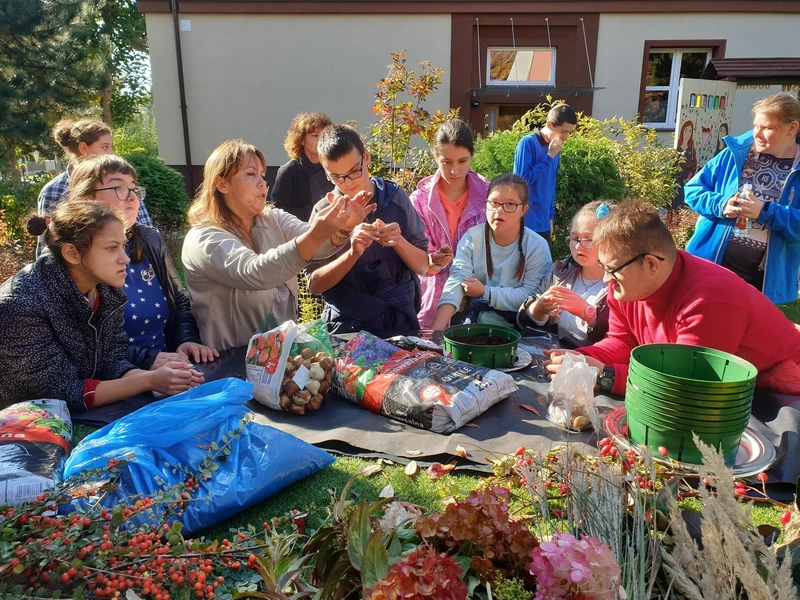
x,y
508,207
337,179
583,242
123,192
613,272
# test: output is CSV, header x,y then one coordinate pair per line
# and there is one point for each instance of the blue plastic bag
x,y
180,430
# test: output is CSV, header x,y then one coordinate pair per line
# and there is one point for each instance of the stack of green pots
x,y
674,390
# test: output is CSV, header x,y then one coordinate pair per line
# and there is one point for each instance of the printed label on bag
x,y
301,377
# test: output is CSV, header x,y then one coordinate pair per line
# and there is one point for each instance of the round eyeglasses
x,y
123,192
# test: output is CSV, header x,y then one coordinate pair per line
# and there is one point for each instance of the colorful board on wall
x,y
705,109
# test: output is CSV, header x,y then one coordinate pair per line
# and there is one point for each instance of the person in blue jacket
x,y
767,157
536,160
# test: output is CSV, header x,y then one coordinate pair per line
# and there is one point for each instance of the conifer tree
x,y
51,64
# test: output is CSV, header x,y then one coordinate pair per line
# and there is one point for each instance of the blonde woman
x,y
241,257
301,182
768,157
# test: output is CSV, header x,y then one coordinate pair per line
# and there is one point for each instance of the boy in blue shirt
x,y
536,160
372,283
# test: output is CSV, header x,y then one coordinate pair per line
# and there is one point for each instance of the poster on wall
x,y
705,109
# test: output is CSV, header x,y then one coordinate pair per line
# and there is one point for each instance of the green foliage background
x,y
166,193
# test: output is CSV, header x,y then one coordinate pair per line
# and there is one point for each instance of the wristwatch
x,y
605,381
589,313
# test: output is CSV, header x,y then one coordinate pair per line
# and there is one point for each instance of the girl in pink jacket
x,y
450,202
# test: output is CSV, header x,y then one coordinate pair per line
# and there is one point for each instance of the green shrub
x,y
681,223
494,155
648,167
17,201
588,172
166,192
138,135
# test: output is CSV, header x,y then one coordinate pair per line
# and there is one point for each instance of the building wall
x,y
247,75
620,50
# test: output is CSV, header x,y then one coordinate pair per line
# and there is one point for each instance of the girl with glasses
x,y
449,202
61,319
572,298
497,264
159,324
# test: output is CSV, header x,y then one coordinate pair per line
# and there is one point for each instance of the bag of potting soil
x,y
290,366
420,388
34,441
187,431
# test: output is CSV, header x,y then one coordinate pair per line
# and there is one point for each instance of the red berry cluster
x,y
105,552
482,523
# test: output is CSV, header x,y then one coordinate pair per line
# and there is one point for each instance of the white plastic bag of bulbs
x,y
291,366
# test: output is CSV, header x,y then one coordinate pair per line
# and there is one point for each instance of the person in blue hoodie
x,y
536,160
372,283
768,158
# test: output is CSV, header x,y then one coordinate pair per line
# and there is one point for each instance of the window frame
x,y
715,48
493,83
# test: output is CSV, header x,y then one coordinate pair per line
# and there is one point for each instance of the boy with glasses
x,y
372,283
659,294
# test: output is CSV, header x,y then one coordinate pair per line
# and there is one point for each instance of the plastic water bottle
x,y
743,225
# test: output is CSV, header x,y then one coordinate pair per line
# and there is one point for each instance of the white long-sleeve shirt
x,y
503,290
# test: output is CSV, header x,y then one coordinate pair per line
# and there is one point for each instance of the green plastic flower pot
x,y
659,406
690,402
498,356
667,424
681,445
693,366
704,390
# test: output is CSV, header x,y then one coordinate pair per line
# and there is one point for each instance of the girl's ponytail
x,y
520,272
487,235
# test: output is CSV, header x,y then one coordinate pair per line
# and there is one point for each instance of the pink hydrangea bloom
x,y
566,567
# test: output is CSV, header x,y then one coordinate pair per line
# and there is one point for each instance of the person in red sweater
x,y
659,294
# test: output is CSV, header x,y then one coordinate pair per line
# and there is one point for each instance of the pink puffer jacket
x,y
429,206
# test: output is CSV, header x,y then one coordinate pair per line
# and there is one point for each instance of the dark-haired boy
x,y
372,283
536,160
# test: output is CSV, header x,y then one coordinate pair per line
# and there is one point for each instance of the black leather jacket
x,y
181,326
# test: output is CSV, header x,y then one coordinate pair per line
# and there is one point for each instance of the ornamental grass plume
x,y
602,502
734,561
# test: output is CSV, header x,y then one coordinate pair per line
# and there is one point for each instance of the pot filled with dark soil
x,y
492,346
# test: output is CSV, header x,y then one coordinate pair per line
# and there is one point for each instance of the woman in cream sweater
x,y
241,258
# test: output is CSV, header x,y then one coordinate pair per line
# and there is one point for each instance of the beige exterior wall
x,y
620,50
248,75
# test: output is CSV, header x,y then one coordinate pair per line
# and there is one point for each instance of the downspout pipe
x,y
182,91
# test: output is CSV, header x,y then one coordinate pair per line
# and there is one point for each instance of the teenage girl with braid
x,y
498,264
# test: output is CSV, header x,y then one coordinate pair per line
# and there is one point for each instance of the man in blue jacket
x,y
536,160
